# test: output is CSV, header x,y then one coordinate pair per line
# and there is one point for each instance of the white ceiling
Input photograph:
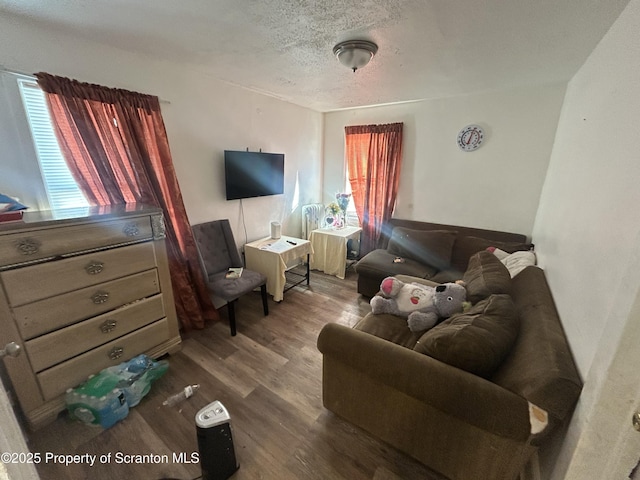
x,y
283,48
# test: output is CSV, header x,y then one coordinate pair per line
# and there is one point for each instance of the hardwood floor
x,y
269,377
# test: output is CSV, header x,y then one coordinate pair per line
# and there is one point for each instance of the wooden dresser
x,y
81,291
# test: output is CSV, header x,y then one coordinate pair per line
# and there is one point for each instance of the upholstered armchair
x,y
218,253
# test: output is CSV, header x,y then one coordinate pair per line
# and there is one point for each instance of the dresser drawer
x,y
50,314
53,348
28,284
32,245
82,289
56,380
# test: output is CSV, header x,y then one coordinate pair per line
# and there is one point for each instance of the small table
x,y
273,257
330,249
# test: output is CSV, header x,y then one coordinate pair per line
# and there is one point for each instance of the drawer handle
x,y
100,297
28,246
108,326
94,268
12,349
131,230
115,353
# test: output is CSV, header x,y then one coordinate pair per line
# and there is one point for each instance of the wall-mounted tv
x,y
253,174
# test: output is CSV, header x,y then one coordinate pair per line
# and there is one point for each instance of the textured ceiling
x,y
283,48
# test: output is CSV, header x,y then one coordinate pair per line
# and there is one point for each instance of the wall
x,y
587,228
592,189
203,117
496,187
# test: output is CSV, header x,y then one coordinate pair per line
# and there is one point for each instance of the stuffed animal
x,y
421,304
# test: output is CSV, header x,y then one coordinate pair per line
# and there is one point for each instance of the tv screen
x,y
253,174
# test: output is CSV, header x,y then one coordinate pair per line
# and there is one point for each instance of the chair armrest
x,y
455,392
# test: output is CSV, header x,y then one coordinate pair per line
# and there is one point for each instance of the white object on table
x,y
330,249
273,258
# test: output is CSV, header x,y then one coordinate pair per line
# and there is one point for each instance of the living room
x,y
558,165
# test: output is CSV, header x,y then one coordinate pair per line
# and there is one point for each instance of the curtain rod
x,y
16,72
4,69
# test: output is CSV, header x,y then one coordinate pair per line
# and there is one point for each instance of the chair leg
x,y
263,292
232,317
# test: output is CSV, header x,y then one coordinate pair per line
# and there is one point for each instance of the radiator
x,y
312,218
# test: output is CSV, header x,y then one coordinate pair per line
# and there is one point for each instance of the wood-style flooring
x,y
269,377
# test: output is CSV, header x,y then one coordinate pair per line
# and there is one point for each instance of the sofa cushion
x,y
476,341
390,327
449,275
486,275
380,264
431,247
466,246
540,366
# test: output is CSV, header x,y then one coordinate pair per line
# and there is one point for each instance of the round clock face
x,y
470,138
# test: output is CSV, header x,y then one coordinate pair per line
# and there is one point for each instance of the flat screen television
x,y
253,174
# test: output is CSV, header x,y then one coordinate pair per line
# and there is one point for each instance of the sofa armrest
x,y
457,393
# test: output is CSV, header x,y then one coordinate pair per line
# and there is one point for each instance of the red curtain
x,y
116,146
374,158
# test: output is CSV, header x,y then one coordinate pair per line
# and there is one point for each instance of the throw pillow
x,y
468,245
516,261
486,275
430,247
476,341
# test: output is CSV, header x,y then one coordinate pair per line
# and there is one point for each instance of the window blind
x,y
62,189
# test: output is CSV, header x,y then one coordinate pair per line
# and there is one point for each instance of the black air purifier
x,y
215,442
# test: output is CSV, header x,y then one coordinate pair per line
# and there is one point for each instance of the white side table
x,y
273,258
330,249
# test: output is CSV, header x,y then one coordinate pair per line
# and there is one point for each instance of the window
x,y
352,214
374,158
62,190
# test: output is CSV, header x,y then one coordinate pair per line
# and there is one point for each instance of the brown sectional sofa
x,y
431,251
466,417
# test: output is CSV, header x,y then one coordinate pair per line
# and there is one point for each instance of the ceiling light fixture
x,y
355,54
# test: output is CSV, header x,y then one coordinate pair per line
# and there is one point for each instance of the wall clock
x,y
470,138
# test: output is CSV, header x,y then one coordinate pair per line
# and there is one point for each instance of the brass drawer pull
x,y
100,297
108,326
28,246
115,353
94,267
131,229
